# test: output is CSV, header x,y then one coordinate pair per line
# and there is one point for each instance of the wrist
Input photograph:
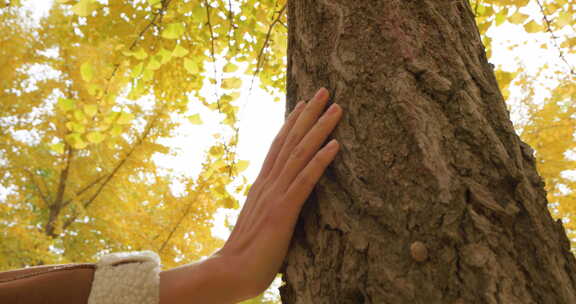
x,y
213,280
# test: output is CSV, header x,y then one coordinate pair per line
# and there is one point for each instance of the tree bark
x,y
433,197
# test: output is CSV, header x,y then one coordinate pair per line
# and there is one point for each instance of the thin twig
x,y
134,43
213,56
39,190
180,220
554,38
268,34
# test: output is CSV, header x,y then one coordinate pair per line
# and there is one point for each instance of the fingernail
x,y
299,105
332,145
332,109
323,92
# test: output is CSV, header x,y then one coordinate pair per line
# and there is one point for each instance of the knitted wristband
x,y
127,278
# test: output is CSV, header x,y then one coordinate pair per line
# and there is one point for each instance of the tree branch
x,y
109,177
56,206
84,189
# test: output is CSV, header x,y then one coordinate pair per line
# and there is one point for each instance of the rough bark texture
x,y
433,197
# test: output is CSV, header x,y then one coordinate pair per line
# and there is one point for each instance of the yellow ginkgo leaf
x,y
75,140
517,18
95,137
84,7
66,104
229,203
216,151
116,130
87,71
173,30
90,110
137,70
140,54
565,18
533,27
58,148
242,165
125,118
191,66
231,83
230,68
180,51
195,119
154,63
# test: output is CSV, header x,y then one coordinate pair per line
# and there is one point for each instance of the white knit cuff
x,y
127,278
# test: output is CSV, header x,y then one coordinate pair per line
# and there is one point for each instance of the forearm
x,y
215,280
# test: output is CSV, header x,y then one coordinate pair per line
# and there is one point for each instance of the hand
x,y
254,252
293,166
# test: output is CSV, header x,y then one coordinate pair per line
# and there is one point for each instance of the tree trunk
x,y
433,197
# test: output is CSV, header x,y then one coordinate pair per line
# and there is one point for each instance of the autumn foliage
x,y
89,93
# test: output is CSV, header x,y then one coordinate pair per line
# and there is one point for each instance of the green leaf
x,y
230,68
66,104
173,30
195,119
191,66
95,137
87,71
154,2
231,83
180,51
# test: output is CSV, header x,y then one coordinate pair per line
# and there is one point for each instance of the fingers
x,y
301,127
308,146
304,183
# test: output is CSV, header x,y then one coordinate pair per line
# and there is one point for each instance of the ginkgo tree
x,y
87,96
79,141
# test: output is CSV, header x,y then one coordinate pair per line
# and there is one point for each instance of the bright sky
x,y
261,118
